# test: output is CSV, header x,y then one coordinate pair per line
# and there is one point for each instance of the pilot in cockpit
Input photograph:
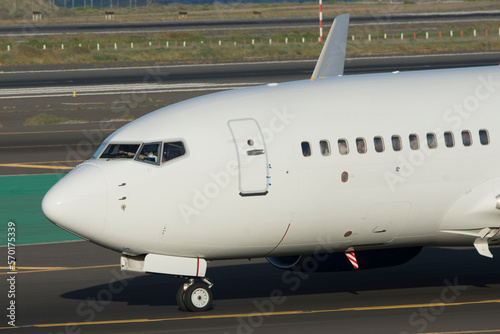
x,y
124,151
148,155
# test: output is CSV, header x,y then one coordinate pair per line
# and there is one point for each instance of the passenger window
x,y
466,138
120,151
149,153
379,144
484,137
361,145
431,140
396,143
324,146
343,147
173,150
306,149
449,140
414,143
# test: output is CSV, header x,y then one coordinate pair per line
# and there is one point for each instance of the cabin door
x,y
252,157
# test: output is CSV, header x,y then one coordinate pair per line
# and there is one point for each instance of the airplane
x,y
331,173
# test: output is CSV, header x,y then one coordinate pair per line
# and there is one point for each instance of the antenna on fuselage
x,y
332,58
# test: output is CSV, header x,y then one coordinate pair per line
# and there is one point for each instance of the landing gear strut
x,y
195,297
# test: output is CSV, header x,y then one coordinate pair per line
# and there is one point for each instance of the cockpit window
x,y
120,151
152,153
149,153
99,151
172,150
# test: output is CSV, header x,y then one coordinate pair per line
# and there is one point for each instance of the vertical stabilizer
x,y
332,58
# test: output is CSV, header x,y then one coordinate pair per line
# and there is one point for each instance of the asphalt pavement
x,y
44,29
97,101
77,287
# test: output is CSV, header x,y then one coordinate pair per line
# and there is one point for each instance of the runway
x,y
239,24
78,287
104,99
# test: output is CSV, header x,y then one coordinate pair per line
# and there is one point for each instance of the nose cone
x,y
78,202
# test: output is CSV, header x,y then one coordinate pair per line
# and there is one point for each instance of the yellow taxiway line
x,y
37,268
25,270
244,315
36,166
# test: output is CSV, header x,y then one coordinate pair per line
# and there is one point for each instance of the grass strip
x,y
197,49
20,11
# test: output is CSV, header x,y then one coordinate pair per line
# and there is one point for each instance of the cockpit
x,y
155,153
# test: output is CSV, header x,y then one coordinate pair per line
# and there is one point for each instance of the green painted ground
x,y
20,202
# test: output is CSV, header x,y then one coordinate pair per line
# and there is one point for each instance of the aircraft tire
x,y
180,298
198,297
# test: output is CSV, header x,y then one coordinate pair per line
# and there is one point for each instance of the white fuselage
x,y
219,201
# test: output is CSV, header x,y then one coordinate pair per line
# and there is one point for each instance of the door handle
x,y
379,230
255,152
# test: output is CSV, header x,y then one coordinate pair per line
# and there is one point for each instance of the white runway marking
x,y
141,88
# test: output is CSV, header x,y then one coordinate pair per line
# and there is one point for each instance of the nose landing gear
x,y
195,297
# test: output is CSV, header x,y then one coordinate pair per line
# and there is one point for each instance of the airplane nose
x,y
78,202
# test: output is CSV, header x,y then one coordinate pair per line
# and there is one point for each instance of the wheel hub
x,y
200,297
